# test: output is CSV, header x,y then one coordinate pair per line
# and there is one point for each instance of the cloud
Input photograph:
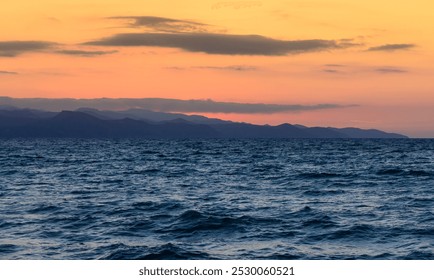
x,y
212,43
163,24
164,105
84,53
177,68
195,36
348,43
334,65
331,71
8,73
210,106
15,48
239,68
391,47
355,70
390,70
334,68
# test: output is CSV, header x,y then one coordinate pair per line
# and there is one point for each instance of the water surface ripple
x,y
217,199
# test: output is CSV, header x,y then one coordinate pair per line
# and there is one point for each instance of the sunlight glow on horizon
x,y
382,58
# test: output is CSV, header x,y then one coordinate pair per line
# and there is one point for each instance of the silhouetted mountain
x,y
366,133
142,114
81,125
10,116
90,123
26,113
323,132
7,107
245,130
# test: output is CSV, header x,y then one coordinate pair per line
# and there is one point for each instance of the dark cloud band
x,y
334,65
389,70
238,68
8,73
163,24
15,48
218,43
84,53
209,106
391,47
164,105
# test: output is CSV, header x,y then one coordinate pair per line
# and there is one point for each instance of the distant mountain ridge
x,y
142,114
139,123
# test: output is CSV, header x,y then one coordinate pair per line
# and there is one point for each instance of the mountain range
x,y
141,123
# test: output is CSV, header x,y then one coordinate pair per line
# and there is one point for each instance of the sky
x,y
367,64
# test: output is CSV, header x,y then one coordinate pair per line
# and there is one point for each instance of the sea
x,y
217,199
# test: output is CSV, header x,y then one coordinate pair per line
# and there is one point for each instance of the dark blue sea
x,y
217,199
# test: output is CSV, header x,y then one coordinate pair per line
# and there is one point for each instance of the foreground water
x,y
217,199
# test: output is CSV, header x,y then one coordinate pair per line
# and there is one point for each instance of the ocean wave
x,y
167,251
8,248
44,208
319,175
323,192
322,221
418,255
222,199
193,221
403,172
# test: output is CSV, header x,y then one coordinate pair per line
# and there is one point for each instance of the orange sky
x,y
379,55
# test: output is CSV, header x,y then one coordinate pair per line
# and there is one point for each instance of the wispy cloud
x,y
333,71
84,53
163,24
239,68
391,47
8,73
210,106
193,36
358,69
390,70
212,43
16,48
333,68
165,105
350,42
177,68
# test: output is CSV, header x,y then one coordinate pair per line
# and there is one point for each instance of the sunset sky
x,y
371,62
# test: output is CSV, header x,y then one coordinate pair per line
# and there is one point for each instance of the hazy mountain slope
x,y
90,123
